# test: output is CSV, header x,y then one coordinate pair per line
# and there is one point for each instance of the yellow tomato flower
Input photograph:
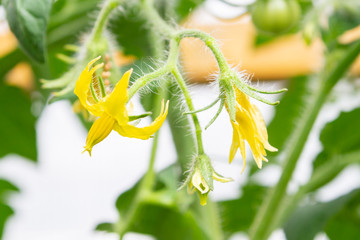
x,y
111,109
249,125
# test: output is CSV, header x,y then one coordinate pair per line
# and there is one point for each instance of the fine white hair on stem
x,y
187,173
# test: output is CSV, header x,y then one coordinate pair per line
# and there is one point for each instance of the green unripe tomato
x,y
275,16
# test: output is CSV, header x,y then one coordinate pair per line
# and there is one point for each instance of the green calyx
x,y
233,79
203,164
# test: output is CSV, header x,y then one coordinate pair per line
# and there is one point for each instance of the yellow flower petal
x,y
220,178
144,133
99,131
82,87
115,103
249,126
260,124
199,183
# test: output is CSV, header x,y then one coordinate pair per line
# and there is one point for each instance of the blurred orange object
x,y
8,42
21,75
121,59
349,37
282,58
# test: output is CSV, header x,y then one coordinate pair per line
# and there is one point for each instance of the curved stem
x,y
211,43
170,64
188,100
147,78
102,19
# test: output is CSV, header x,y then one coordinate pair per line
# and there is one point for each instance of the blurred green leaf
x,y
307,221
346,15
338,137
28,20
5,187
185,220
5,213
345,224
173,224
184,7
5,210
9,61
130,26
17,124
238,214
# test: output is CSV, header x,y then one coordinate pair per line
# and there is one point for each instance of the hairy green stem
x,y
211,43
188,100
146,79
102,19
261,227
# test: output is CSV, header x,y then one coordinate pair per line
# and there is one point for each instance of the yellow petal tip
x,y
87,149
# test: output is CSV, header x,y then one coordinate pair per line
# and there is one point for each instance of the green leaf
x,y
184,220
5,210
238,214
338,137
5,213
5,187
128,27
309,220
345,224
346,16
184,7
28,21
131,28
174,224
9,61
17,124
